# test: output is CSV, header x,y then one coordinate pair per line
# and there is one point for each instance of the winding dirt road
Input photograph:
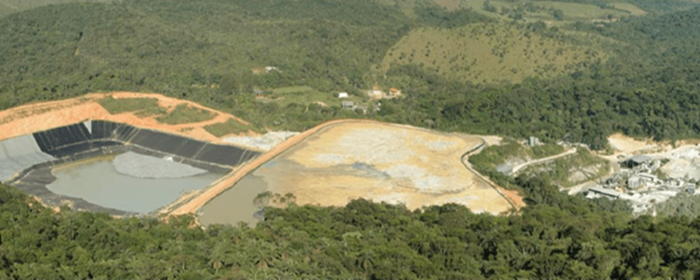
x,y
541,160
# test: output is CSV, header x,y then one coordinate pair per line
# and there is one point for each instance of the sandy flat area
x,y
381,162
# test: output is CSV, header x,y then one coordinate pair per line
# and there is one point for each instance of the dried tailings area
x,y
381,162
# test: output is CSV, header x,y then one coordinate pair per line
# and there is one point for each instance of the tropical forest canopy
x,y
556,237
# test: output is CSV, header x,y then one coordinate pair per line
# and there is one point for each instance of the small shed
x,y
636,161
533,141
348,105
342,95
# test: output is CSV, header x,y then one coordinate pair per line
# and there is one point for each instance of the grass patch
x,y
12,6
230,127
186,114
632,9
122,105
290,90
571,170
493,52
150,112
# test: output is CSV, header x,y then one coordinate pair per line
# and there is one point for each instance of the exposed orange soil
x,y
47,115
514,198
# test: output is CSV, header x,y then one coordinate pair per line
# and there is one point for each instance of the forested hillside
x,y
648,88
556,237
645,84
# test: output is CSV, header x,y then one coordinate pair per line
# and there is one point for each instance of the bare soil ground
x,y
332,180
625,144
381,162
46,115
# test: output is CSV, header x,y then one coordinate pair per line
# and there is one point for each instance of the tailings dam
x,y
113,167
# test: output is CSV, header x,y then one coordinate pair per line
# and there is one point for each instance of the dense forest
x,y
206,51
556,237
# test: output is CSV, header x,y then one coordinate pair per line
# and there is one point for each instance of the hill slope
x,y
13,6
65,50
490,52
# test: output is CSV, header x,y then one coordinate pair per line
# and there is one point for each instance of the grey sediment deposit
x,y
143,166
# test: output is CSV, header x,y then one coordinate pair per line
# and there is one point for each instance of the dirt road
x,y
541,160
513,198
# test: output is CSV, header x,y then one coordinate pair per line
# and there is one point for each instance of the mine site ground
x,y
327,165
348,159
333,163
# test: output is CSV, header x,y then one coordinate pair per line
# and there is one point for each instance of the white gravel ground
x,y
264,142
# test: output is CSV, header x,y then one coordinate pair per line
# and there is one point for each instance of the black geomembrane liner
x,y
73,139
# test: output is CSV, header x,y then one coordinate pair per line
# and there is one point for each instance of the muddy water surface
x,y
98,182
234,205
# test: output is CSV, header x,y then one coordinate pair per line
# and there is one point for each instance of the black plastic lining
x,y
74,139
167,143
58,142
226,155
173,144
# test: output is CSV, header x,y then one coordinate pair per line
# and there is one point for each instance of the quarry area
x,y
164,156
146,154
647,173
376,161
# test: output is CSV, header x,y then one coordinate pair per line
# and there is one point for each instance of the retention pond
x,y
99,182
101,166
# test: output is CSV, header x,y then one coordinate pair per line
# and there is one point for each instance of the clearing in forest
x,y
490,53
